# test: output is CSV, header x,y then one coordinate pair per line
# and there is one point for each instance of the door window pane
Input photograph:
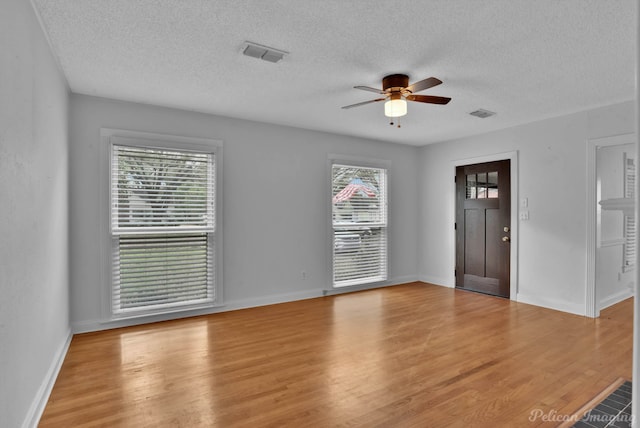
x,y
482,185
471,186
492,184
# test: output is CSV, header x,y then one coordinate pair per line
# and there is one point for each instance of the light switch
x,y
524,202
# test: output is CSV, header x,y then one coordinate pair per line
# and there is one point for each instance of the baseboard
x,y
42,396
88,326
403,279
271,300
230,305
616,298
443,282
558,305
396,281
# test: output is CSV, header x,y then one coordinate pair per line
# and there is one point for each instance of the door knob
x,y
505,239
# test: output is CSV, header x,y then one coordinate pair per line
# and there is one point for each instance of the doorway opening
x,y
611,222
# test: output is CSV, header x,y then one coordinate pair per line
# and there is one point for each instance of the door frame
x,y
513,157
591,303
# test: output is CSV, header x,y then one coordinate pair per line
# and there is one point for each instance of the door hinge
x,y
455,226
455,272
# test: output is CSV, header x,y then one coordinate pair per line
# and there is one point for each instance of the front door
x,y
483,227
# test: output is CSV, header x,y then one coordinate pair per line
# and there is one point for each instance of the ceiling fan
x,y
397,92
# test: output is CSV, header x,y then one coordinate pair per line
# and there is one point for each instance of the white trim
x,y
273,299
360,160
591,307
558,305
442,282
203,143
97,325
371,286
616,298
513,157
42,396
107,324
149,139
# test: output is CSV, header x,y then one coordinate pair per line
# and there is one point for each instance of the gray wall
x,y
275,203
275,215
34,286
552,158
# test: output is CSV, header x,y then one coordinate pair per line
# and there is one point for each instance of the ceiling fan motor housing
x,y
395,82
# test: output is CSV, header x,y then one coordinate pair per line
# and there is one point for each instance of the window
x,y
162,225
359,217
483,185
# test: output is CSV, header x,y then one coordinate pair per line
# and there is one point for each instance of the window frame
x,y
357,162
111,137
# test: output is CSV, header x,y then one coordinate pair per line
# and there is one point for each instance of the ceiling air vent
x,y
265,53
482,114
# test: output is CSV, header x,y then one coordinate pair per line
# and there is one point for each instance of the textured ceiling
x,y
524,59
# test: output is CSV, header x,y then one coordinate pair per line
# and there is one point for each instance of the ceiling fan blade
x,y
424,84
364,102
431,99
370,89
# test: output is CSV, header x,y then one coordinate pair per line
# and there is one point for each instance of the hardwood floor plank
x,y
404,356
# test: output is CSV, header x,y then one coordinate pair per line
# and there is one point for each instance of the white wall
x,y
275,202
34,286
552,174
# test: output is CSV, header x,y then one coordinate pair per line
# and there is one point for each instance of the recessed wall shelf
x,y
626,205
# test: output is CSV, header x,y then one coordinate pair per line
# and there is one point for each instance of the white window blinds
x,y
161,189
359,218
163,228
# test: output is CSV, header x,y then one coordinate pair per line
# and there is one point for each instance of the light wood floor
x,y
414,355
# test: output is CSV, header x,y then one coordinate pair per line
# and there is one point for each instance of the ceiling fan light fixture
x,y
395,106
396,91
